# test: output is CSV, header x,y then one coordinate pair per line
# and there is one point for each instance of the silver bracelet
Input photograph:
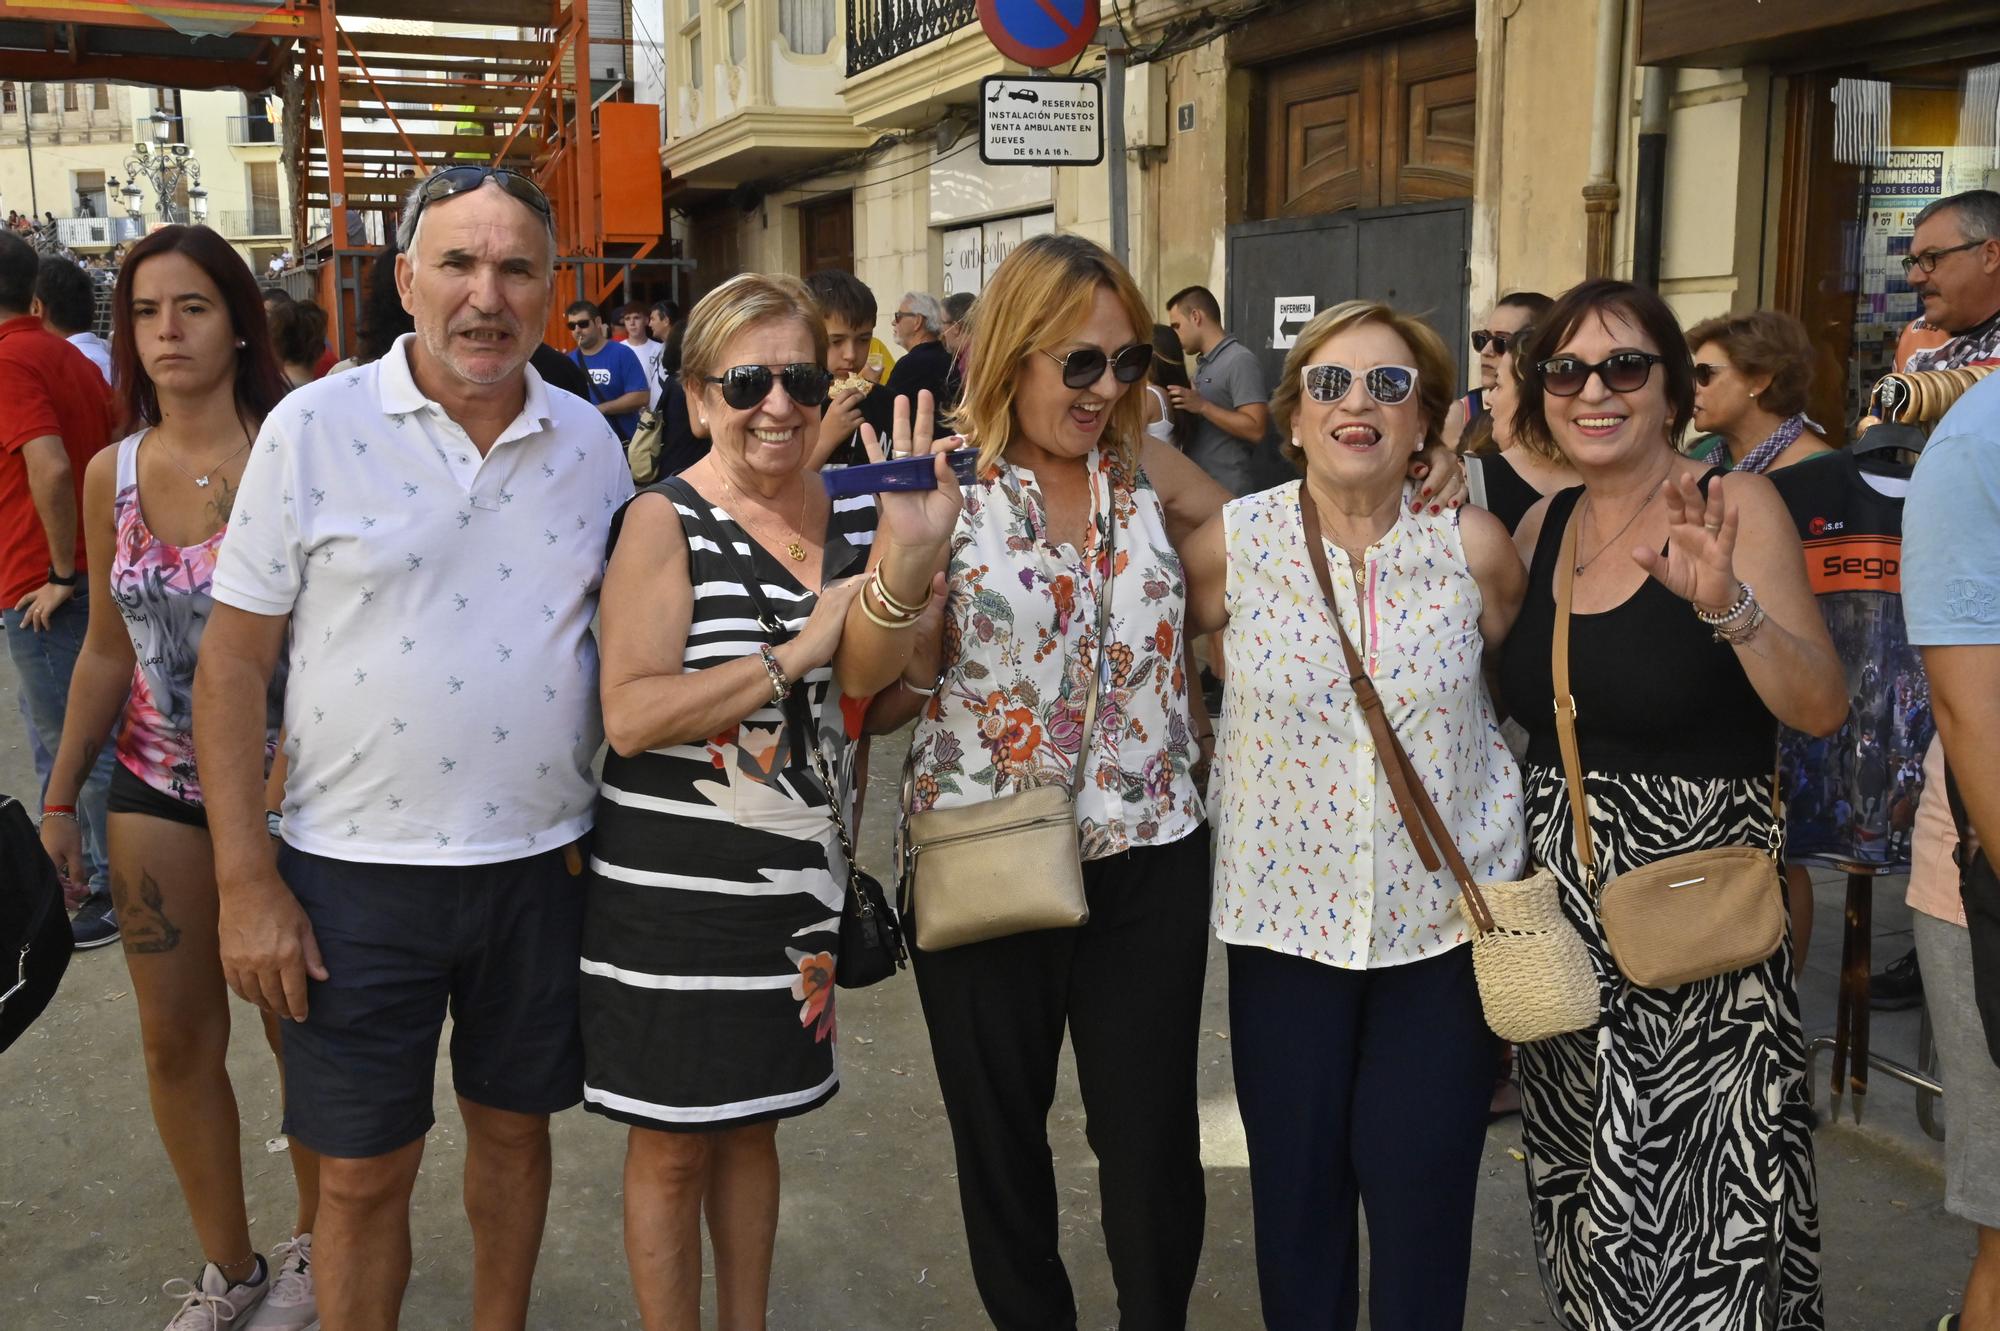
x,y
781,688
1737,633
59,813
917,689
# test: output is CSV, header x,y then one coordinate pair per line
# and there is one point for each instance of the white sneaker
x,y
213,1304
290,1306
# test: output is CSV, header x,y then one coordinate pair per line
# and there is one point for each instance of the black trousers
x,y
1366,1087
1127,985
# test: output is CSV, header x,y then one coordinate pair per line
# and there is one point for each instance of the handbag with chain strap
x,y
1686,917
1530,963
1011,864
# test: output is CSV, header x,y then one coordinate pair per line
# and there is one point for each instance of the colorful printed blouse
x,y
1313,858
1019,643
163,593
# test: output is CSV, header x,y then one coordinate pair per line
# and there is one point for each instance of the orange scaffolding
x,y
524,102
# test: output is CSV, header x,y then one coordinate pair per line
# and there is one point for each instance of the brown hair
x,y
1040,293
1436,372
1602,295
1764,342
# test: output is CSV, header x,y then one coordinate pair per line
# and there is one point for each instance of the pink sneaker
x,y
290,1306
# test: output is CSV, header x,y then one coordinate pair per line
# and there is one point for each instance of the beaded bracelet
x,y
1737,634
1744,600
781,688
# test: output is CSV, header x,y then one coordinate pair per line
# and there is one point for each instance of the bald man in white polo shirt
x,y
429,530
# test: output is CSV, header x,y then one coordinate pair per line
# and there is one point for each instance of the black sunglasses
x,y
1704,373
1387,384
744,386
1085,366
458,179
1499,342
1622,372
578,325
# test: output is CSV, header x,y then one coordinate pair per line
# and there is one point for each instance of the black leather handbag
x,y
1979,889
35,942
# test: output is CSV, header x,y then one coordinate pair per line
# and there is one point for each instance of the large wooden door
x,y
1385,124
826,234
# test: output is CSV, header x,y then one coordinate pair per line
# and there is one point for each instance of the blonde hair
x,y
1435,369
741,303
1041,294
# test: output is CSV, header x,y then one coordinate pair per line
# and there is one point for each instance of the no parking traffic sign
x,y
1040,34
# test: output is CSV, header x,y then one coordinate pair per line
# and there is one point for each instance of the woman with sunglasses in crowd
x,y
1362,1059
198,376
1671,1179
1510,318
1506,475
1051,403
717,878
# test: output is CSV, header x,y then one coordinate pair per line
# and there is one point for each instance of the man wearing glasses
x,y
1954,267
618,382
424,538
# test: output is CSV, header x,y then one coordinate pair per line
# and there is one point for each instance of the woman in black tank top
x,y
1660,1139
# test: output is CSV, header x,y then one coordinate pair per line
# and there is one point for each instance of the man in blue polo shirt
x,y
1951,602
617,380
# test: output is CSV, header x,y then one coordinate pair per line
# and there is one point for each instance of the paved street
x,y
91,1222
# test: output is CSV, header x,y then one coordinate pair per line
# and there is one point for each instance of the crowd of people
x,y
373,691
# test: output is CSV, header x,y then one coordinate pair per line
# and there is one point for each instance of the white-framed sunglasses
x,y
1390,385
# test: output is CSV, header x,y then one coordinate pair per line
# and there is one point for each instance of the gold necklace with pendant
x,y
795,547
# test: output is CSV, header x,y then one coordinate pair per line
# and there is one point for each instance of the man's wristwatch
x,y
59,579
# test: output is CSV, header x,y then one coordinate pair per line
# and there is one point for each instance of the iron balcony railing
x,y
880,30
248,130
246,222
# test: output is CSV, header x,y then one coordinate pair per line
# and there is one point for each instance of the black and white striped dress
x,y
716,878
1670,1155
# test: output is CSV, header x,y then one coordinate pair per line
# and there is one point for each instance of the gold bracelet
x,y
894,606
879,622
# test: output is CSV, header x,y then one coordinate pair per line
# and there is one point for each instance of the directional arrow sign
x,y
1040,34
1289,316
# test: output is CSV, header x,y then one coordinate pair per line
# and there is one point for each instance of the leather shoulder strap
x,y
1572,759
1421,820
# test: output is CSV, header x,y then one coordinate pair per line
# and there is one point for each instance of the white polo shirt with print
x,y
442,701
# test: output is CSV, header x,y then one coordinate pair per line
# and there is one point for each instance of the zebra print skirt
x,y
1670,1154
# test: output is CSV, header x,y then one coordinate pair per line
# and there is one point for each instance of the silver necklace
x,y
1628,522
202,480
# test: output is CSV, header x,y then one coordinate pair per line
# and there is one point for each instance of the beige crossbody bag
x,y
1530,963
1007,865
1686,917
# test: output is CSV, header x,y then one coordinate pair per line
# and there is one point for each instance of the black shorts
x,y
131,795
497,944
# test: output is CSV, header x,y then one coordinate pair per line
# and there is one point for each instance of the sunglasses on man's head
x,y
1387,384
1621,372
458,179
1085,366
744,386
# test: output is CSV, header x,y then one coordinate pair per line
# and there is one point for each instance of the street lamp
x,y
171,169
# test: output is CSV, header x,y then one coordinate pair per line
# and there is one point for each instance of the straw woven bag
x,y
1531,965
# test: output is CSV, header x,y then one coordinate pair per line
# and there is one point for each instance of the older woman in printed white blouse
x,y
1363,1063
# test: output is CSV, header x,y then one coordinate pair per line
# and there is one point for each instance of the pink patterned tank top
x,y
162,591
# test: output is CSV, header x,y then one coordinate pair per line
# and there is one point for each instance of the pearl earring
x,y
240,344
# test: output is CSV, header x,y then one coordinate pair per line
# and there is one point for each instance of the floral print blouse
x,y
1019,643
1312,857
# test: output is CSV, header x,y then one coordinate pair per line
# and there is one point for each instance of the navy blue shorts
x,y
497,944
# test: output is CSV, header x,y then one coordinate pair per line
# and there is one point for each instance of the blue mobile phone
x,y
912,473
